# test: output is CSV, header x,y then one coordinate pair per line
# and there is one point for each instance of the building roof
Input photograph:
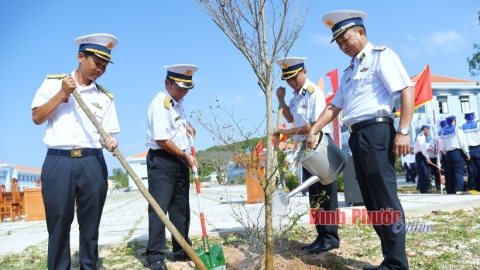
x,y
28,169
141,154
442,79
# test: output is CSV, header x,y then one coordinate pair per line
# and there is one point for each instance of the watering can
x,y
325,163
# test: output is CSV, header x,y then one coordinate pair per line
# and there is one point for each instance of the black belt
x,y
81,152
377,120
161,150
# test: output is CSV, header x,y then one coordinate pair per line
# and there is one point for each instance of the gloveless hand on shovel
x,y
188,249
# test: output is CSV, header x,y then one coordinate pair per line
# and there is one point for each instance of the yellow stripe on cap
x,y
99,52
180,80
292,71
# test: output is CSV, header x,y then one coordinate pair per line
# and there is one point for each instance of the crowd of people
x,y
458,153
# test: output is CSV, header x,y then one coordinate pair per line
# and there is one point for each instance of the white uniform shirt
x,y
69,127
306,107
366,90
166,121
454,140
409,158
472,135
420,145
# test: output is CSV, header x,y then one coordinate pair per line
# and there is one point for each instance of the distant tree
x,y
474,62
120,178
218,160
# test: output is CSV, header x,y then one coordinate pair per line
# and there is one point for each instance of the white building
x,y
26,176
138,163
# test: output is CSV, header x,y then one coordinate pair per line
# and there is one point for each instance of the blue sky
x,y
38,39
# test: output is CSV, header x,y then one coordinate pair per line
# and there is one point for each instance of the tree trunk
x,y
270,184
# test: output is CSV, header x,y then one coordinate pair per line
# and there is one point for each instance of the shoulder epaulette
x,y
55,76
167,103
311,89
110,95
379,48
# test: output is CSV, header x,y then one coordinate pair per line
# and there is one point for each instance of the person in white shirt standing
x,y
422,159
366,95
455,145
74,172
408,162
472,138
303,109
168,163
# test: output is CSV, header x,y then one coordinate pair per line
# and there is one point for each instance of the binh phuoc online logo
x,y
385,217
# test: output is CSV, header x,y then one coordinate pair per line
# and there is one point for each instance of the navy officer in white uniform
x,y
472,138
304,107
455,145
168,163
74,170
422,159
366,94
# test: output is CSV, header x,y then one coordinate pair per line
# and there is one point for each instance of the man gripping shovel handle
x,y
188,249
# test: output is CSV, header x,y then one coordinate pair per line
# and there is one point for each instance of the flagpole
x,y
438,151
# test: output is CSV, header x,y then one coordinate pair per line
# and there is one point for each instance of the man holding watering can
x,y
366,94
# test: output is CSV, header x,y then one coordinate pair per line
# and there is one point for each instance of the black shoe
x,y
321,248
158,265
181,258
312,245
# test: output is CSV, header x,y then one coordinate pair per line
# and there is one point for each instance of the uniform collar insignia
x,y
304,91
362,56
348,80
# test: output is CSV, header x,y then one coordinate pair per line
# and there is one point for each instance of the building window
x,y
420,110
465,103
442,105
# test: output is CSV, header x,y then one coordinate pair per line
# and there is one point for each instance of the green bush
x,y
291,181
340,183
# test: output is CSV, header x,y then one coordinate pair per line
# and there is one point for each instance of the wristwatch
x,y
403,131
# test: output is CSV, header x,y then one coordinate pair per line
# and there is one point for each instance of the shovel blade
x,y
214,260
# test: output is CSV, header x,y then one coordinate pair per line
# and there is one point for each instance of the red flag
x,y
259,148
423,89
334,80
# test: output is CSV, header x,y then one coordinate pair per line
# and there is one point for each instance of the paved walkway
x,y
125,216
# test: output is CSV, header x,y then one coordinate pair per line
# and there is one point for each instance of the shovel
x,y
188,249
211,256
